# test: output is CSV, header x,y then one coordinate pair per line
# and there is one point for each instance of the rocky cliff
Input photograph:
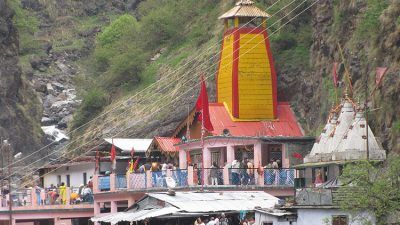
x,y
20,109
369,34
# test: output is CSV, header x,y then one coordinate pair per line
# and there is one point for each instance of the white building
x,y
310,216
72,174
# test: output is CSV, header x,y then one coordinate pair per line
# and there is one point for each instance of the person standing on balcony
x,y
235,172
63,193
214,173
38,197
250,172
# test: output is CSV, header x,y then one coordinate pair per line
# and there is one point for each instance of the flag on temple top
x,y
334,74
113,154
297,155
380,73
202,106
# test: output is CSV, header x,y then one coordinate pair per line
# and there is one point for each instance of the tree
x,y
372,186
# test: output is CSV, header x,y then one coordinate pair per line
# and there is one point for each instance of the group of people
x,y
242,172
221,220
224,220
58,195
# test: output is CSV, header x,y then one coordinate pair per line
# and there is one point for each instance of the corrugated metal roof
x,y
285,125
217,201
135,216
244,8
167,143
126,144
196,202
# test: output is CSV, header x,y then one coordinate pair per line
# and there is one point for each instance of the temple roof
x,y
284,126
244,8
344,138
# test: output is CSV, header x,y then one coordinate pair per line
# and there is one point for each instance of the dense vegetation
x,y
120,63
372,187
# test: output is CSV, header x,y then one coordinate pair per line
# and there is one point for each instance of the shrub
x,y
117,29
93,102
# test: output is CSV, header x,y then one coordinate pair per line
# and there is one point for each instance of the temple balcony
x,y
278,181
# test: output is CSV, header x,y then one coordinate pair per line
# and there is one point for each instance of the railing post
x,y
148,179
260,177
33,197
190,176
112,182
95,180
226,175
68,193
128,181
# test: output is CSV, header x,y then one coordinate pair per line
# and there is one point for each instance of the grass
x,y
369,23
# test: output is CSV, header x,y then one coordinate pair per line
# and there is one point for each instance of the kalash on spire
x,y
246,78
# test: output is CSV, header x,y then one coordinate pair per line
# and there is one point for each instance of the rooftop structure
x,y
190,204
344,138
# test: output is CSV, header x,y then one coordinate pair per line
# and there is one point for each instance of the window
x,y
84,178
68,181
58,179
319,174
340,220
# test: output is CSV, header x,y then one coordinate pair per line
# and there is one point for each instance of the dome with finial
x,y
244,8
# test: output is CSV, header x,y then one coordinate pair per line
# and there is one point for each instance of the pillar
x,y
257,163
131,201
112,182
182,159
128,181
95,180
68,197
96,208
230,153
207,157
148,179
33,197
114,207
226,174
285,160
190,175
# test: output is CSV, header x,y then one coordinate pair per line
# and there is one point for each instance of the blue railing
x,y
279,177
104,183
181,177
158,179
120,182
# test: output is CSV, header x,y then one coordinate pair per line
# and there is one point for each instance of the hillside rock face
x,y
365,46
19,111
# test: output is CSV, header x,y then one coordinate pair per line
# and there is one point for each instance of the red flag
x,y
202,106
380,73
297,155
136,163
334,74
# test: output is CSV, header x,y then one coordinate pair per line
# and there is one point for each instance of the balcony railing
x,y
279,177
193,176
47,196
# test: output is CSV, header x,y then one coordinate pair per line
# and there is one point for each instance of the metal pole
x,y
202,149
366,114
9,183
